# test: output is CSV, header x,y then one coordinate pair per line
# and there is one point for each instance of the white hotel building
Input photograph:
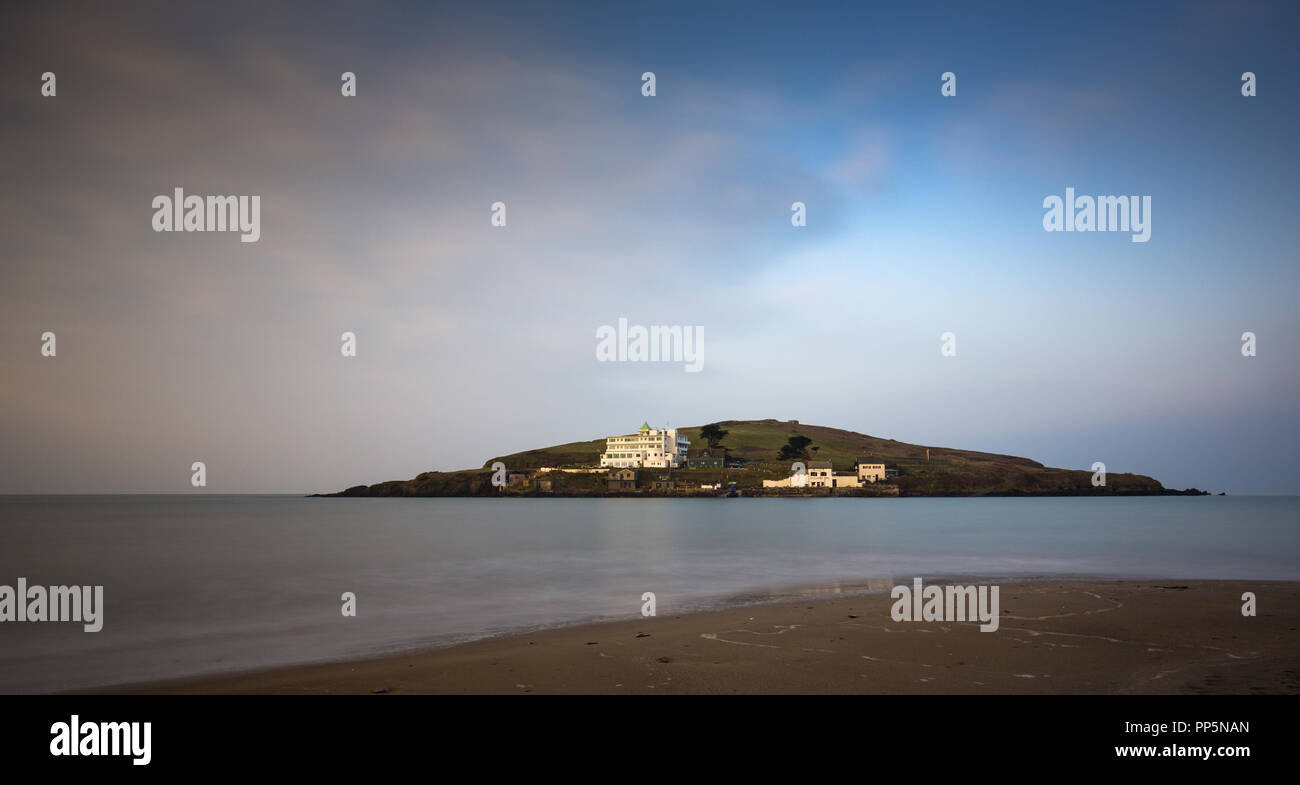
x,y
648,447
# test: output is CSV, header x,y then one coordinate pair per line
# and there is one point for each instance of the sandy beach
x,y
1059,637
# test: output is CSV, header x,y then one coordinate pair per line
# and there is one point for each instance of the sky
x,y
924,215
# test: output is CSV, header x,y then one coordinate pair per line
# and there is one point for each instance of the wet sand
x,y
1054,637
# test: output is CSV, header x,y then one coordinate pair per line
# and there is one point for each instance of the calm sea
x,y
197,584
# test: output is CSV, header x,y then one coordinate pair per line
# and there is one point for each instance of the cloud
x,y
866,161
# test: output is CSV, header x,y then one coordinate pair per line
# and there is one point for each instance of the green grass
x,y
947,472
761,440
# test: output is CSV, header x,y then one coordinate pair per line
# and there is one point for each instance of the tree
x,y
797,447
713,434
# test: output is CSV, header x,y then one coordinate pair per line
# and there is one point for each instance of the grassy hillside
x,y
761,440
948,472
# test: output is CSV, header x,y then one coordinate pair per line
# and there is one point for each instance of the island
x,y
760,458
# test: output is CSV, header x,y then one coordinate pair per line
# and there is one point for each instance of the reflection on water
x,y
208,583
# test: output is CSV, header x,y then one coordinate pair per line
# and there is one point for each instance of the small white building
x,y
869,472
821,474
649,447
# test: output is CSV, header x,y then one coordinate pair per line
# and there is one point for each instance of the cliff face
x,y
945,472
